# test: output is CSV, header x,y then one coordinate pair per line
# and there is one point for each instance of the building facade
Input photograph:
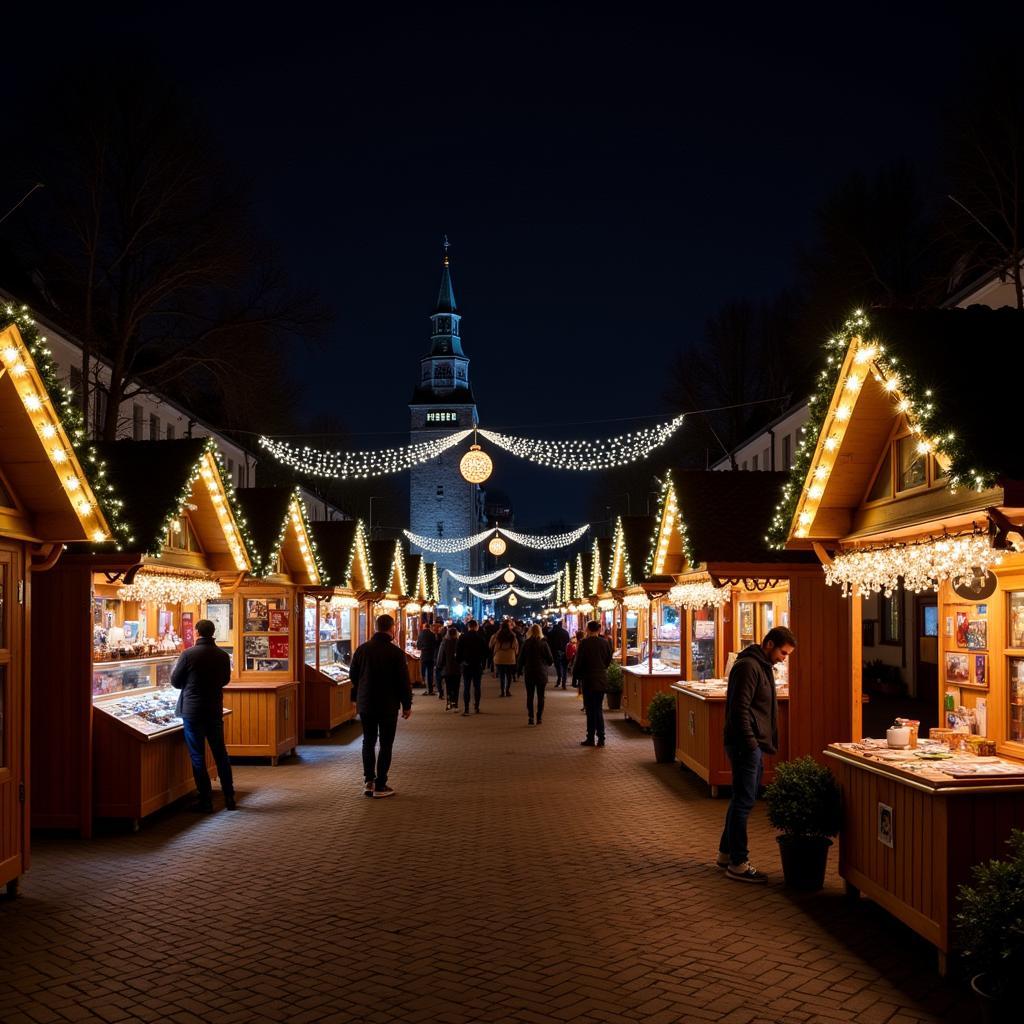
x,y
441,503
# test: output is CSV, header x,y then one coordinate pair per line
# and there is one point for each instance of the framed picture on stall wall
x,y
221,614
1016,619
958,668
885,825
980,677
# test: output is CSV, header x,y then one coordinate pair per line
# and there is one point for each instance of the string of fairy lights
x,y
497,546
509,574
526,595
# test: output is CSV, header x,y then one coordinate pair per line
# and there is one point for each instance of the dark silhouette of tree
x,y
141,244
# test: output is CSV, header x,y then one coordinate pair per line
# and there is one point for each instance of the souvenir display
x,y
148,713
961,629
958,669
977,635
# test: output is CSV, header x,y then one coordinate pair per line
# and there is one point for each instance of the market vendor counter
x,y
266,719
640,683
700,727
412,660
913,827
328,697
141,762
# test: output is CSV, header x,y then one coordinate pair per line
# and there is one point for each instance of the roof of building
x,y
636,537
335,541
266,509
446,293
726,515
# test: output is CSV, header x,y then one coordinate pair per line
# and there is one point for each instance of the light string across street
x,y
491,576
527,595
539,542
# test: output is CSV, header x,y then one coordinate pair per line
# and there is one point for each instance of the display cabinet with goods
x,y
898,487
661,713
804,806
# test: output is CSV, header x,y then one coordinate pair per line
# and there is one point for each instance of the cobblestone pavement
x,y
516,877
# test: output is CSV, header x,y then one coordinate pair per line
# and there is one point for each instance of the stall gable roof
x,y
580,579
724,515
435,583
603,554
157,481
416,570
277,522
941,369
51,490
388,566
344,552
632,538
668,552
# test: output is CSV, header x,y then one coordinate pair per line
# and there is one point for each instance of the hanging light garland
x,y
360,465
702,594
636,602
588,455
343,601
527,595
169,589
449,545
508,575
922,565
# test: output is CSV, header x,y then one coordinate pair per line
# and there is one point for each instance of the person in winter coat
x,y
590,673
534,660
505,652
751,731
448,668
472,655
558,640
426,644
201,673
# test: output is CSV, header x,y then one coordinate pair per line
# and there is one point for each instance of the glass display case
x,y
754,620
140,674
151,713
702,643
665,641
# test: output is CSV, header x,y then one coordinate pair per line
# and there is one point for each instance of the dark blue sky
x,y
606,181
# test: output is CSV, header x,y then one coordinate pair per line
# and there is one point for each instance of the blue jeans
x,y
592,703
559,657
471,676
506,673
199,732
747,769
376,765
427,671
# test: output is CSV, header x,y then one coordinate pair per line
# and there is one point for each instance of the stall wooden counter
x,y
639,685
700,726
267,720
911,835
412,661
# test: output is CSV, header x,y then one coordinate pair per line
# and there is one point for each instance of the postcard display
x,y
264,693
330,630
700,697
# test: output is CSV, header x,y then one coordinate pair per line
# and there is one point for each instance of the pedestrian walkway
x,y
516,877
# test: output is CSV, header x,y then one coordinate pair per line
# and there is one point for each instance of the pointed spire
x,y
446,294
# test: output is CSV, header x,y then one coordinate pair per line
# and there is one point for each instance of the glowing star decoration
x,y
497,546
922,565
476,466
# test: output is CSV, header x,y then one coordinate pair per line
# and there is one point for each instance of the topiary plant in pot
x,y
661,713
804,804
990,926
613,690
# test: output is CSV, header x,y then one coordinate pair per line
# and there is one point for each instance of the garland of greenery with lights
x,y
359,538
71,420
656,535
269,565
919,407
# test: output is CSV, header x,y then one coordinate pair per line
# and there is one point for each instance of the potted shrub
x,y
804,805
614,686
661,713
990,924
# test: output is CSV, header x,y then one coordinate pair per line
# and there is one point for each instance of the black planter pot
x,y
803,862
992,1009
614,700
664,748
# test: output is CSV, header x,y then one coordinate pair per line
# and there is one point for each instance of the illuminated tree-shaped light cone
x,y
513,600
476,465
497,546
509,577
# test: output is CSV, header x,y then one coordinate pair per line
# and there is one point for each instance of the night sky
x,y
606,181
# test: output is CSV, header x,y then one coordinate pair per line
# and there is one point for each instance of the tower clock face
x,y
444,325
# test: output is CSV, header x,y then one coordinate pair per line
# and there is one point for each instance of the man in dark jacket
x,y
590,671
472,651
558,639
751,731
426,643
380,686
201,674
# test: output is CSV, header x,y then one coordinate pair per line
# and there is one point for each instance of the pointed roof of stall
x,y
344,553
629,550
278,524
157,482
388,561
416,570
945,372
47,493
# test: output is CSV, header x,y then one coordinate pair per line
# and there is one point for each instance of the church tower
x,y
441,502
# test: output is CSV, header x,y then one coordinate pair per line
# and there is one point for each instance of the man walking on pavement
x,y
426,644
558,639
380,686
201,674
751,731
590,669
472,650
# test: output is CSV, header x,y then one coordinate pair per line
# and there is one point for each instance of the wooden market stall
x,y
266,693
335,621
905,483
599,593
730,589
389,571
46,499
105,738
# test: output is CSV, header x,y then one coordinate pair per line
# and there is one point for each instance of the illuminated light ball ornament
x,y
476,465
513,600
497,546
509,577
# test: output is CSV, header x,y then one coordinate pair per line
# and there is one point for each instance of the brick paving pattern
x,y
516,877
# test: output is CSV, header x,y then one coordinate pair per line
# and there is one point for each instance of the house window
x,y
137,422
744,464
231,469
787,452
911,464
170,431
440,527
99,407
154,427
440,490
755,460
766,462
